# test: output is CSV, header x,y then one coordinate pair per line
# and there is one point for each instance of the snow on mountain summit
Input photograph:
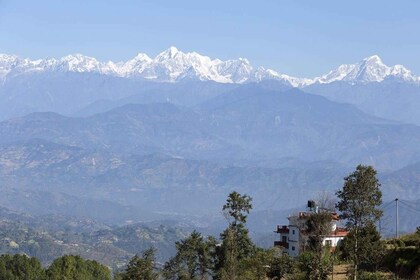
x,y
6,63
173,65
370,69
168,54
80,63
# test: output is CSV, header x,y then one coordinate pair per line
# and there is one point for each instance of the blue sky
x,y
301,38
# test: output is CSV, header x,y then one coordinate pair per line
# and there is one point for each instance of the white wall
x,y
293,241
334,240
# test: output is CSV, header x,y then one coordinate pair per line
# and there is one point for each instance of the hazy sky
x,y
301,38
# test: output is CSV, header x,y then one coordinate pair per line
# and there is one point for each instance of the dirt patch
x,y
340,272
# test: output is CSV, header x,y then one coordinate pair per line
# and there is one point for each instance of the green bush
x,y
404,261
373,276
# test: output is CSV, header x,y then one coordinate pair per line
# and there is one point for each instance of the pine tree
x,y
193,259
236,243
141,268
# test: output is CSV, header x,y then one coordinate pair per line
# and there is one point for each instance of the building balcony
x,y
282,229
281,244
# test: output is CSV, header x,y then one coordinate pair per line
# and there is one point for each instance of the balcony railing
x,y
281,244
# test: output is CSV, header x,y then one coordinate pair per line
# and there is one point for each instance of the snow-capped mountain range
x,y
173,65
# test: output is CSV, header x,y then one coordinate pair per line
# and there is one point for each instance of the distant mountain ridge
x,y
169,137
370,69
250,123
173,65
79,85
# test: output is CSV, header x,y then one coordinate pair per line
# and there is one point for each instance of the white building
x,y
294,239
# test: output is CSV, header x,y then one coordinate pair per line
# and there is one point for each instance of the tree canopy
x,y
70,267
16,267
141,268
193,259
359,202
360,198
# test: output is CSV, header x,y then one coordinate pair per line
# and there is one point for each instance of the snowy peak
x,y
167,54
142,57
173,65
132,66
7,62
401,72
370,69
374,59
80,63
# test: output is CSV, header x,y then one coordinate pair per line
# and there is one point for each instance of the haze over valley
x,y
139,125
169,137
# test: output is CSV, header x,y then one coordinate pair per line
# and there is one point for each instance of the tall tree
x,y
236,210
141,268
237,207
236,243
358,203
193,259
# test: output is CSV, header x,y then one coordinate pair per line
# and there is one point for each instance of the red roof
x,y
335,216
282,229
339,232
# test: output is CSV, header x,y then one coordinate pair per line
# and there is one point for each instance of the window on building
x,y
293,248
284,238
328,243
293,231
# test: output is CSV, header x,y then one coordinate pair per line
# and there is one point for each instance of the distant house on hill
x,y
294,239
